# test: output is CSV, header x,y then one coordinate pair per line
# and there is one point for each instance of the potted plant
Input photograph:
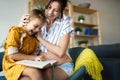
x,y
69,1
41,7
83,43
78,30
81,18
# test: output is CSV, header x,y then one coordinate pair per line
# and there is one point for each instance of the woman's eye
x,y
56,10
49,7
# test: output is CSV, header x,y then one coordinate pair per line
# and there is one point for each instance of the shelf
x,y
83,10
92,23
87,36
85,24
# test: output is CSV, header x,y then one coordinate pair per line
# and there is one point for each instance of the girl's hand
x,y
24,20
40,58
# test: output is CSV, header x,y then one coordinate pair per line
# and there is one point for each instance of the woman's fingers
x,y
40,58
24,20
38,35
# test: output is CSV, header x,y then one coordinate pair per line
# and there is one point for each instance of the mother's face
x,y
52,11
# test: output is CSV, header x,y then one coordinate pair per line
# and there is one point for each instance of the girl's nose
x,y
37,29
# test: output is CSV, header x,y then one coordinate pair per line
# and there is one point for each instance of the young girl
x,y
21,44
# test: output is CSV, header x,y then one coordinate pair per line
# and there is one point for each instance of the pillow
x,y
74,52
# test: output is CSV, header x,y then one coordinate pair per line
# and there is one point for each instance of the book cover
x,y
37,64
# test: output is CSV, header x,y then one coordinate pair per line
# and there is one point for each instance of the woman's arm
x,y
60,60
24,20
60,49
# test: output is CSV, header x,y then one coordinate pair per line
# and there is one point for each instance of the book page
x,y
37,64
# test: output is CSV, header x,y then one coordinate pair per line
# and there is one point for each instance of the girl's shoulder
x,y
16,29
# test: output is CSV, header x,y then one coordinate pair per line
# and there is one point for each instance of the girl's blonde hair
x,y
36,13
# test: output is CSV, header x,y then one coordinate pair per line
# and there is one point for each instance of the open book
x,y
37,64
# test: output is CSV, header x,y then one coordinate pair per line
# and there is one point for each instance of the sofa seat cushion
x,y
111,68
2,78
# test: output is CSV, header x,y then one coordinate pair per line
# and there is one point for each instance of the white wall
x,y
109,18
10,14
12,10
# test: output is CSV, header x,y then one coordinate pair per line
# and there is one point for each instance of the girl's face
x,y
34,26
53,11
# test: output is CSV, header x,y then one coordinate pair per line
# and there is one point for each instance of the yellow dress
x,y
17,38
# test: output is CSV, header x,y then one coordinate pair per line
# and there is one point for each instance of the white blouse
x,y
59,28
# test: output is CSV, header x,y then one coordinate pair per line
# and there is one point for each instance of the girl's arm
x,y
20,56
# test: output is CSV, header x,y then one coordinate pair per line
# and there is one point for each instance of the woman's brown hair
x,y
63,4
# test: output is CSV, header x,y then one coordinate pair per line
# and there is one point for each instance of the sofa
x,y
108,54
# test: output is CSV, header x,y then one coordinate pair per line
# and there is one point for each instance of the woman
x,y
54,40
18,46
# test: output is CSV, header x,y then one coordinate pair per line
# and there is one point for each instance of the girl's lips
x,y
30,32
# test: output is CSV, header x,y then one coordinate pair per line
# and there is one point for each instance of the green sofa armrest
x,y
2,78
74,53
78,75
1,57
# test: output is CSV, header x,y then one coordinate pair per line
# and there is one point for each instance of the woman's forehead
x,y
55,4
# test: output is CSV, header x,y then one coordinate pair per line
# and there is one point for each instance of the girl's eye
x,y
35,26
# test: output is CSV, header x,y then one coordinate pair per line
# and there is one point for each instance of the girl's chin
x,y
30,34
34,34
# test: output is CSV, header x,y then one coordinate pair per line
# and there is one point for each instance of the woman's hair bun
x,y
63,2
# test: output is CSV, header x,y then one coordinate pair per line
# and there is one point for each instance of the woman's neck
x,y
49,24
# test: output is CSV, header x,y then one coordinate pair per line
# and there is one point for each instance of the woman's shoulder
x,y
67,18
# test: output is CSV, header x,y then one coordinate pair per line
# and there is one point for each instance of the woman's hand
x,y
39,35
24,20
51,56
40,58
